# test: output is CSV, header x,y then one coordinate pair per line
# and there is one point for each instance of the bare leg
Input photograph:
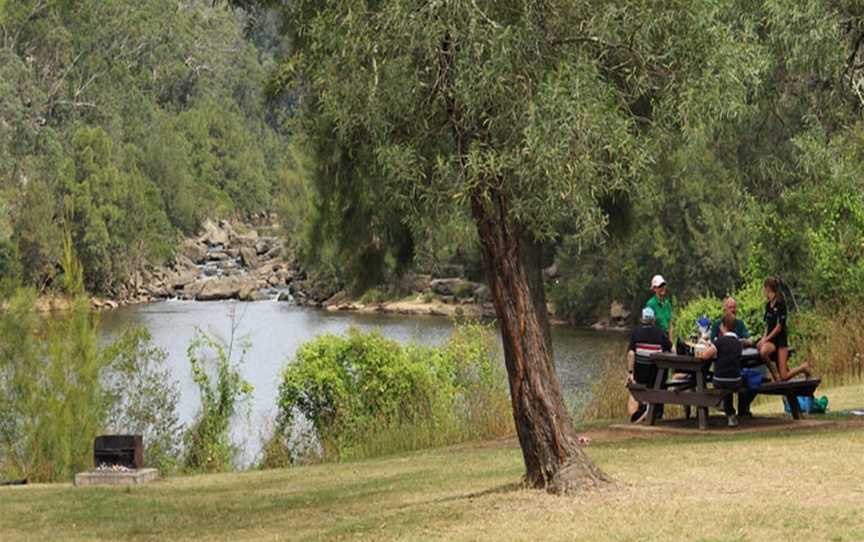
x,y
765,353
783,365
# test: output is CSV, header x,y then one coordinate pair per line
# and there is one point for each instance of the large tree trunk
x,y
553,458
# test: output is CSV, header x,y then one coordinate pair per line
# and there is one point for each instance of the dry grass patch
x,y
802,485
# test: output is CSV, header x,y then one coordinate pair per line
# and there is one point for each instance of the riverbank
x,y
236,261
470,492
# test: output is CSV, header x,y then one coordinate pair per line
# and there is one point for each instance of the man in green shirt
x,y
661,305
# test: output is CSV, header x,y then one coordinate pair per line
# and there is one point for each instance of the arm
x,y
708,353
667,344
631,362
774,332
745,335
671,332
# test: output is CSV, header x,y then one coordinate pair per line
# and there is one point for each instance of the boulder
x,y
158,291
181,263
213,234
248,256
221,288
410,282
264,245
191,290
339,298
249,240
226,227
618,312
185,278
274,253
103,304
455,287
249,292
193,250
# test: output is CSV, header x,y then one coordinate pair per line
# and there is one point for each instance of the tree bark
x,y
511,257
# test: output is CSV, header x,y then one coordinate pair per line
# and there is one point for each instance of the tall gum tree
x,y
524,114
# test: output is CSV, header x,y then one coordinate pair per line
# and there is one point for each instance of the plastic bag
x,y
808,405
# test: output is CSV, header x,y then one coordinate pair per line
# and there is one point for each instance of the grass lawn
x,y
802,485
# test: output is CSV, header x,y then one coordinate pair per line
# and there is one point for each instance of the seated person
x,y
726,352
730,306
646,339
776,341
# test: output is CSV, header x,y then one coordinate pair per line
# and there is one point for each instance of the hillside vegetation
x,y
128,122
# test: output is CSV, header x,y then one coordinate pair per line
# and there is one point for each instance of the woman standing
x,y
776,338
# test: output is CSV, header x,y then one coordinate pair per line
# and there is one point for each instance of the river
x,y
275,330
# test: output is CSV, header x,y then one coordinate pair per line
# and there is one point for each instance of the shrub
x,y
365,395
374,296
831,339
51,400
143,398
751,304
223,391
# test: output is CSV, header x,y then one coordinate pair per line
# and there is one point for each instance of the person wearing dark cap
x,y
645,340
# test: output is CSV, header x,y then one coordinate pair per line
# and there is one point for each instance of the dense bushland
x,y
135,119
365,395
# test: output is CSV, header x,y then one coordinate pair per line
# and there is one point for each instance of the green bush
x,y
223,392
366,395
59,388
751,305
143,398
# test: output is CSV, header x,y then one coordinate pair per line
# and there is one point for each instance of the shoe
x,y
746,414
733,421
640,412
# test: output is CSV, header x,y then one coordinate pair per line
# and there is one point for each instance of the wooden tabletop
x,y
668,360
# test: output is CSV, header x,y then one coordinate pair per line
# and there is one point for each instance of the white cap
x,y
657,281
647,314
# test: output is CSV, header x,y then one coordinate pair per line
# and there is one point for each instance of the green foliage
x,y
751,309
52,399
223,391
60,386
143,116
144,398
366,395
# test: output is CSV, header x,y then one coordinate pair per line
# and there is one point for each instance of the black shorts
x,y
780,341
645,374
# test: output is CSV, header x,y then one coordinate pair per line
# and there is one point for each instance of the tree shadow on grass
x,y
499,490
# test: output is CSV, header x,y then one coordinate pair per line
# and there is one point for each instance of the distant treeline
x,y
129,121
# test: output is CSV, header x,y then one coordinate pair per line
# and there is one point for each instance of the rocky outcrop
x,y
225,261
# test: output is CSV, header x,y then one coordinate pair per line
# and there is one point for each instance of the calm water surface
x,y
275,331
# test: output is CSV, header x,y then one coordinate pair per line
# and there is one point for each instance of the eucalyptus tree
x,y
526,114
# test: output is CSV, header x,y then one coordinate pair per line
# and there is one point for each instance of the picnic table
x,y
693,392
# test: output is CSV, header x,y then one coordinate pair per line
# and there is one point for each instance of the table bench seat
x,y
796,387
